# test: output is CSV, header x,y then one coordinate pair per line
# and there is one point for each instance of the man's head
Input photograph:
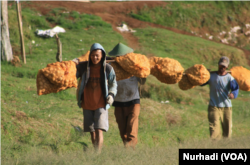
x,y
97,53
223,64
120,50
96,56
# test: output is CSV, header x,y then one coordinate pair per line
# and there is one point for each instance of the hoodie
x,y
108,78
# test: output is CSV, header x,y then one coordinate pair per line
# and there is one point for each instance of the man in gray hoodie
x,y
96,90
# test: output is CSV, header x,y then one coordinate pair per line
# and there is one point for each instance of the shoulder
x,y
82,66
213,76
228,77
231,77
108,68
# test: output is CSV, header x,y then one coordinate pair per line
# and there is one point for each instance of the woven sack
x,y
242,76
153,61
185,84
56,77
120,73
44,86
166,70
84,57
61,73
136,64
197,74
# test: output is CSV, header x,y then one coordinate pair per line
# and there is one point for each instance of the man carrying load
x,y
220,106
96,90
127,102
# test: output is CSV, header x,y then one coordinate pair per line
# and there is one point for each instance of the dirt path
x,y
112,12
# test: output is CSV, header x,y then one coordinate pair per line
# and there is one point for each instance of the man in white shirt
x,y
223,88
127,102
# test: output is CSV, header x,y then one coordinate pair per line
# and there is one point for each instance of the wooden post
x,y
20,23
59,49
6,52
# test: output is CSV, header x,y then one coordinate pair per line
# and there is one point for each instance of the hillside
x,y
47,129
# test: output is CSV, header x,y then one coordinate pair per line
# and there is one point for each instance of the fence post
x,y
20,23
59,49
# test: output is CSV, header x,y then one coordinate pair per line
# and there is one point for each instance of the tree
x,y
6,51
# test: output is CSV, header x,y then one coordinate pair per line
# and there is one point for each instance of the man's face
x,y
222,68
96,56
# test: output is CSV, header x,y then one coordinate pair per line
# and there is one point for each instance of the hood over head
x,y
97,46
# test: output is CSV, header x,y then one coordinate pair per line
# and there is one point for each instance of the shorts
x,y
95,119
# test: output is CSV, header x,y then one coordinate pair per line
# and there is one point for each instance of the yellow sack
x,y
136,64
185,84
84,57
56,77
166,70
242,76
61,73
44,86
120,73
197,74
153,61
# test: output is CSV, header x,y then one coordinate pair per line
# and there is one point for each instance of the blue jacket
x,y
108,78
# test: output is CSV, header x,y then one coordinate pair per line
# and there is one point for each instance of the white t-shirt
x,y
127,90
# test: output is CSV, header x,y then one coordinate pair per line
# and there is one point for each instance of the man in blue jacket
x,y
96,91
223,88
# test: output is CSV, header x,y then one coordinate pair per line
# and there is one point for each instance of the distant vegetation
x,y
216,15
74,20
200,17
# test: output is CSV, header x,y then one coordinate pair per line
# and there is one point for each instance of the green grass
x,y
188,15
47,129
113,155
199,17
186,49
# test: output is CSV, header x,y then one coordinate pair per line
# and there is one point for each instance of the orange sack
x,y
166,70
56,77
197,74
84,57
242,76
136,64
185,84
44,86
120,73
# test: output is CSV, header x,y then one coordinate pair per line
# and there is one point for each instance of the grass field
x,y
214,16
48,129
200,18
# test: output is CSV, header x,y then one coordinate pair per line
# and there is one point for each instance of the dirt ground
x,y
112,12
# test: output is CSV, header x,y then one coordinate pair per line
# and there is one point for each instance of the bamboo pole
x,y
108,61
20,23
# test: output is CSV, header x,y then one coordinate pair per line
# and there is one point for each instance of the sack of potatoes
x,y
84,57
242,76
185,84
197,74
135,64
166,70
56,77
120,73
